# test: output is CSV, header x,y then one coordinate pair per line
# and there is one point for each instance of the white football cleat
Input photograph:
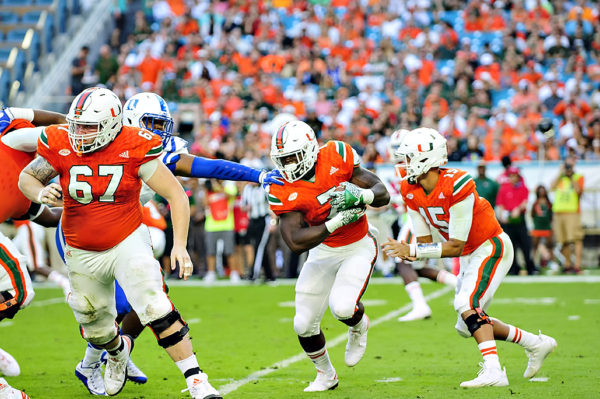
x,y
8,392
417,313
91,377
538,353
8,365
135,374
487,377
357,343
201,388
323,382
115,374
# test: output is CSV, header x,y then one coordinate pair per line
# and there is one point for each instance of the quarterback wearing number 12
x,y
444,200
101,165
321,207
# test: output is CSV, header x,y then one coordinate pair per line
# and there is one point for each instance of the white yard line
x,y
232,386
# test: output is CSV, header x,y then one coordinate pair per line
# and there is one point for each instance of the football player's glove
x,y
343,218
351,196
270,177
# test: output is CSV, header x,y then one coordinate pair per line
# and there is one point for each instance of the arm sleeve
x,y
223,170
420,226
461,218
25,139
147,169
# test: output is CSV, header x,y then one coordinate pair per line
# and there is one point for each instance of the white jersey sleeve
x,y
172,150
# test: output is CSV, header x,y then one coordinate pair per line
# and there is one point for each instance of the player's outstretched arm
x,y
36,116
158,177
193,166
33,183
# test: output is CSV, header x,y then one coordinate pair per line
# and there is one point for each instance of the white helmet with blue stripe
x,y
149,111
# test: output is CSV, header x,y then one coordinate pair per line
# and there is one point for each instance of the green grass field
x,y
244,340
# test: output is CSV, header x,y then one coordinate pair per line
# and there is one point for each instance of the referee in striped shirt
x,y
254,201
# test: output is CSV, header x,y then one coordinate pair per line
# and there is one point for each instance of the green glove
x,y
352,196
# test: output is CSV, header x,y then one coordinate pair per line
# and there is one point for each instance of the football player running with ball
x,y
321,209
445,200
101,165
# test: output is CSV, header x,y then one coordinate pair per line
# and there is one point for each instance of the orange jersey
x,y
13,203
101,189
335,164
152,216
453,186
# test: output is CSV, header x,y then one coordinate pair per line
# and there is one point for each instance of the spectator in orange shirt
x,y
435,97
188,25
574,103
474,21
149,68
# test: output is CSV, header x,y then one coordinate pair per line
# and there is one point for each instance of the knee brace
x,y
160,325
475,321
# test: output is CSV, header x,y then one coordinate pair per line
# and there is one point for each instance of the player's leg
x,y
16,292
420,310
130,326
352,278
91,277
312,294
483,271
141,280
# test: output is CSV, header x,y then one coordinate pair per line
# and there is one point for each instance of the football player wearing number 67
x,y
321,207
445,200
101,165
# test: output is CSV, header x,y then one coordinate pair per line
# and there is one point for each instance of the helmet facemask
x,y
87,137
419,153
159,124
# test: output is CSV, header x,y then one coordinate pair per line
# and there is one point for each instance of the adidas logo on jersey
x,y
441,196
333,170
124,154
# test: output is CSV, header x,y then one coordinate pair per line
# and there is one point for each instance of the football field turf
x,y
244,340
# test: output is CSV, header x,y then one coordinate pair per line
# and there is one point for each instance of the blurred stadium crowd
x,y
483,72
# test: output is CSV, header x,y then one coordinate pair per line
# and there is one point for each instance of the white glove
x,y
343,218
351,196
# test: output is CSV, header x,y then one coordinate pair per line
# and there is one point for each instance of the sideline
x,y
374,281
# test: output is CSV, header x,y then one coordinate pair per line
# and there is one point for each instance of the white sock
x,y
321,361
92,355
521,337
189,368
490,353
415,293
59,279
447,278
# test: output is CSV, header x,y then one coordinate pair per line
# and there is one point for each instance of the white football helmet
x,y
294,150
149,111
94,119
421,150
394,143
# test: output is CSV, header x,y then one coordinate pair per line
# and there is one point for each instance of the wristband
x,y
428,250
368,196
22,113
